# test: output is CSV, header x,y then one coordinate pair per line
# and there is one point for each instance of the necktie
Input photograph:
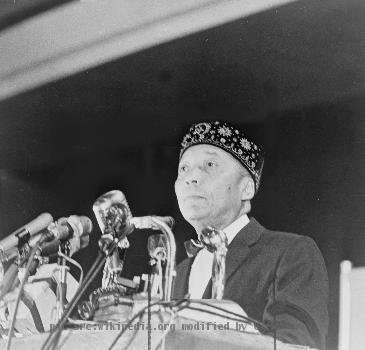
x,y
193,247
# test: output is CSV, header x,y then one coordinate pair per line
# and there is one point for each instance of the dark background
x,y
293,78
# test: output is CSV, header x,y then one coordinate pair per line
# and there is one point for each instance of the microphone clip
x,y
23,237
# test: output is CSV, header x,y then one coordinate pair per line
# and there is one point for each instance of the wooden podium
x,y
191,328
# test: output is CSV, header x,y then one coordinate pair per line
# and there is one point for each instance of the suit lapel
x,y
181,286
239,248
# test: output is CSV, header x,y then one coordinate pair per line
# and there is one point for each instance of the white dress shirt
x,y
201,269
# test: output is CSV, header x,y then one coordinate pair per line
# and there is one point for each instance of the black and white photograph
x,y
182,174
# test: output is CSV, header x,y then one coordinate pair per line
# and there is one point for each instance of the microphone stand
x,y
155,275
170,271
10,278
62,284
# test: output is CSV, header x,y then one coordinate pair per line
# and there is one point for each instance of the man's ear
x,y
248,188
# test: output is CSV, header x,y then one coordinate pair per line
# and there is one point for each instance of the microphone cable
x,y
75,263
172,304
140,313
240,317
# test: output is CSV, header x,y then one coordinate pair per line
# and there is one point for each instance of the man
x,y
277,278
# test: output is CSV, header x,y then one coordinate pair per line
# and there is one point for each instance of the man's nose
x,y
194,176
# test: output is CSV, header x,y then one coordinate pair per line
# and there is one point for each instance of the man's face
x,y
210,187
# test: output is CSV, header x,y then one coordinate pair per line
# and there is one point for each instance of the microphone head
x,y
113,214
50,248
157,247
82,226
60,229
213,239
38,224
84,241
75,229
87,224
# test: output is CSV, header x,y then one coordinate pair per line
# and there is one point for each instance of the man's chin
x,y
194,214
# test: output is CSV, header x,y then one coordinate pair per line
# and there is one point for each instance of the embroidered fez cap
x,y
227,137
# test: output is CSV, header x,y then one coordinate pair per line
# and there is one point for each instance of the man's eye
x,y
211,164
183,169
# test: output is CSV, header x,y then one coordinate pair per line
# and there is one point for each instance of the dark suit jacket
x,y
277,278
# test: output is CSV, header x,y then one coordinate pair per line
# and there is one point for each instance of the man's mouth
x,y
194,197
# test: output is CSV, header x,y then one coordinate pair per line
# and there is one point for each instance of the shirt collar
x,y
235,227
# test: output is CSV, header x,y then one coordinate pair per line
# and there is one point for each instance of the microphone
x,y
216,242
156,246
25,232
51,248
114,216
67,228
213,239
82,227
76,228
